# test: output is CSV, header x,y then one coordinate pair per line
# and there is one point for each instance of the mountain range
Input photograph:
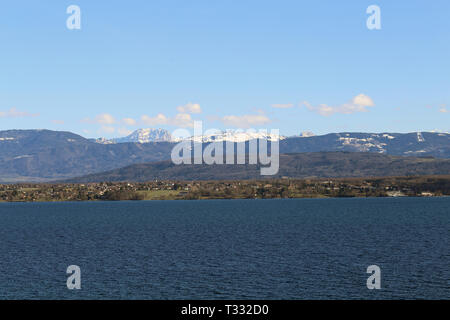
x,y
44,155
141,136
296,165
162,135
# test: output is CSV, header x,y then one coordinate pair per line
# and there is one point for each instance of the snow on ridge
x,y
363,144
307,134
24,156
161,135
372,141
235,137
420,137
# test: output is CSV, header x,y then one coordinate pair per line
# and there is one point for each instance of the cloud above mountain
x,y
159,119
14,113
246,121
103,119
359,103
283,106
183,120
190,108
129,121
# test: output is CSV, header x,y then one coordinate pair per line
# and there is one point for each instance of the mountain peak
x,y
146,135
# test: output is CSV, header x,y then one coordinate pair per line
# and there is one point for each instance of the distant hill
x,y
301,165
44,155
402,144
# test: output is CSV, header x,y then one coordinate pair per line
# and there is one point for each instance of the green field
x,y
159,194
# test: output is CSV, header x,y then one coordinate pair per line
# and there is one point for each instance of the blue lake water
x,y
230,249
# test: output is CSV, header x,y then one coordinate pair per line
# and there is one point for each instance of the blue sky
x,y
292,65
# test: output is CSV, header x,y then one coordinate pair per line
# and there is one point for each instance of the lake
x,y
227,249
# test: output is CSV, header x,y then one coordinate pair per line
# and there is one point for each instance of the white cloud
x,y
190,108
14,113
129,121
160,119
360,103
282,106
443,110
104,118
363,101
246,121
182,120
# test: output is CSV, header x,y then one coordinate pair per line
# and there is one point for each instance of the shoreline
x,y
412,186
227,199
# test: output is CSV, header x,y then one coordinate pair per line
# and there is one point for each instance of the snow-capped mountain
x,y
160,135
141,136
147,135
235,136
43,155
411,144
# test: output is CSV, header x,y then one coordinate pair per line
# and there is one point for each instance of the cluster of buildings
x,y
238,189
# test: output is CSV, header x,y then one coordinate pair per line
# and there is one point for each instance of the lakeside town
x,y
419,186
